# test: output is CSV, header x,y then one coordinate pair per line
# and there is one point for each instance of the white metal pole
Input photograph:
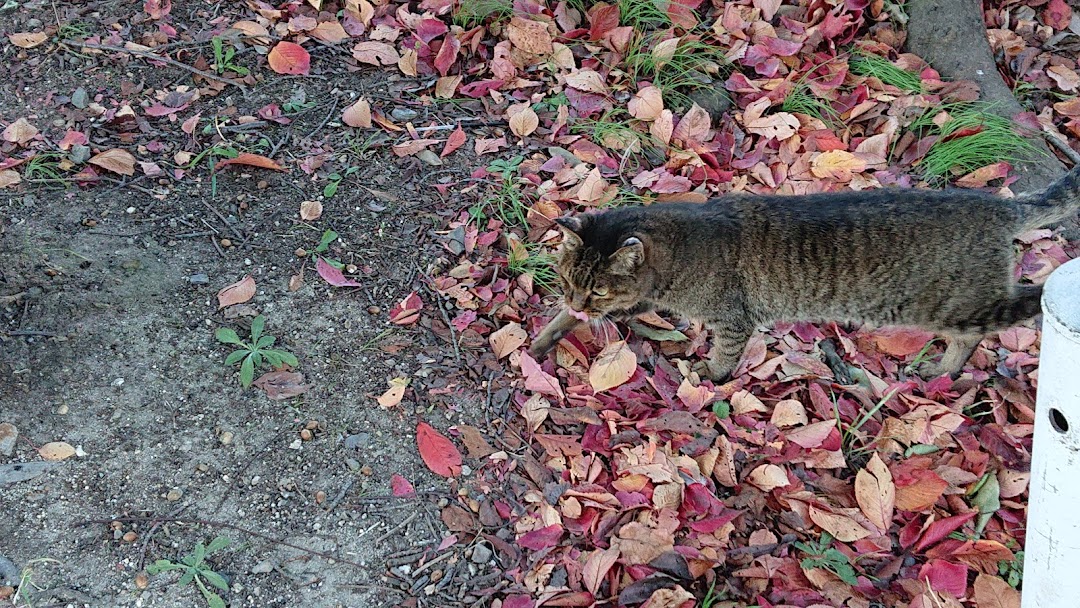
x,y
1052,548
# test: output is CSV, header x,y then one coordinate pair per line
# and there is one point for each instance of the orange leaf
x,y
115,160
289,58
439,454
375,53
646,104
330,32
455,141
836,164
251,160
237,293
358,114
394,394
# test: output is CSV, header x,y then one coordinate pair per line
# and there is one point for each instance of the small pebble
x,y
366,470
300,252
320,497
130,210
481,554
373,310
226,437
305,434
173,495
142,581
8,434
226,243
263,567
353,464
263,184
199,279
130,537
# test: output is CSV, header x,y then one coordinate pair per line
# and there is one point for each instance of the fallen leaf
x,y
524,122
592,187
901,342
475,443
507,339
400,487
455,141
535,411
237,293
536,379
694,126
842,527
333,275
115,160
768,477
9,177
779,126
358,114
587,80
375,53
28,40
56,450
281,384
407,311
646,104
447,55
412,147
992,592
941,575
596,568
529,35
612,367
310,210
289,58
330,32
876,493
394,394
788,412
249,159
543,538
439,453
839,165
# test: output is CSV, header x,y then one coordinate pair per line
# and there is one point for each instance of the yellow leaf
x,y
330,32
394,394
842,527
56,450
612,367
407,63
836,164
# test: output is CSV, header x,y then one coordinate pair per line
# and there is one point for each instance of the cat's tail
x,y
1060,201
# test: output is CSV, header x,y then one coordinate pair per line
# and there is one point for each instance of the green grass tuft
x,y
997,140
470,13
886,71
643,14
802,101
686,70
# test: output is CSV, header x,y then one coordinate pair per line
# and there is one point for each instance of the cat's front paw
x,y
713,371
540,348
929,370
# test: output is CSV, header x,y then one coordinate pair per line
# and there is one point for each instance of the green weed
x,y
802,101
923,356
685,70
527,258
849,433
44,168
864,64
331,188
197,570
471,13
823,555
253,354
643,14
76,30
223,57
989,138
1012,571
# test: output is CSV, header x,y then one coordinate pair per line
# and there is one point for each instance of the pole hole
x,y
1058,421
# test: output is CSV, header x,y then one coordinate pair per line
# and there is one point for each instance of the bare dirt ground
x,y
108,317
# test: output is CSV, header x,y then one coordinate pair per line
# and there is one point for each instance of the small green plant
x,y
865,64
973,136
44,168
471,13
801,101
823,555
711,597
551,104
324,246
197,570
223,57
253,354
686,68
722,409
526,258
335,180
506,168
849,433
76,30
1012,571
614,131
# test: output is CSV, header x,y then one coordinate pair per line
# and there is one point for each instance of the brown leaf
x,y
646,104
330,32
768,477
115,160
592,187
358,114
412,147
375,53
9,177
524,122
237,293
56,450
597,566
694,126
535,411
779,126
789,412
475,443
280,384
507,339
249,159
842,527
587,80
876,493
28,40
612,367
310,210
20,132
529,35
992,592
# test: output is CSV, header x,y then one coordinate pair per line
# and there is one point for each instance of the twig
x,y
30,332
432,563
401,525
280,142
239,237
219,524
326,119
1062,147
167,60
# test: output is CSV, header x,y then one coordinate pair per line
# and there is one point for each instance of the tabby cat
x,y
938,260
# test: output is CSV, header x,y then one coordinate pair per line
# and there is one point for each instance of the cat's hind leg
x,y
958,350
730,335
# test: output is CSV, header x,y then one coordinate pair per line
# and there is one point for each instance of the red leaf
x,y
401,486
518,601
407,311
289,58
1057,14
157,9
602,19
942,528
251,160
333,276
237,293
439,454
945,576
542,538
447,54
455,141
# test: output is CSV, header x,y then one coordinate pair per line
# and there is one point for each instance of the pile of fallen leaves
x,y
825,473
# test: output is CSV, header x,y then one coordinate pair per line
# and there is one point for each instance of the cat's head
x,y
600,266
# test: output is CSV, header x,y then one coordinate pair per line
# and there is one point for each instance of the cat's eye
x,y
600,291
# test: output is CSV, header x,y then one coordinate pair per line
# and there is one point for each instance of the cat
x,y
937,260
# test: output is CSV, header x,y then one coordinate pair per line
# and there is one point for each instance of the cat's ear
x,y
571,229
628,257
